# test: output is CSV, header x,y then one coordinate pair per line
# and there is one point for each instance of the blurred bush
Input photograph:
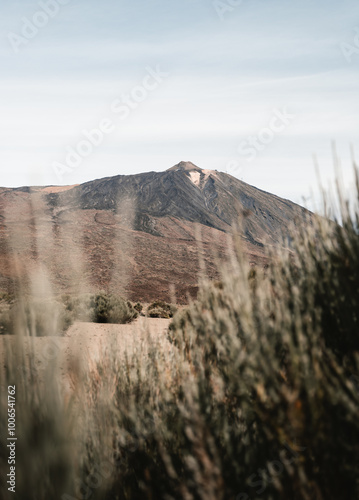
x,y
108,308
139,307
160,309
36,317
54,316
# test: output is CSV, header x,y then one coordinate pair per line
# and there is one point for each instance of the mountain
x,y
138,234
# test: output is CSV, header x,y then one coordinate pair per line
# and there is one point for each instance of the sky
x,y
254,88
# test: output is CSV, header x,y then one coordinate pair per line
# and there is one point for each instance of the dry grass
x,y
255,396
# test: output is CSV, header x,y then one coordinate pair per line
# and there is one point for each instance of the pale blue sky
x,y
226,77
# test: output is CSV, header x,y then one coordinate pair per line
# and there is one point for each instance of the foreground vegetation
x,y
256,395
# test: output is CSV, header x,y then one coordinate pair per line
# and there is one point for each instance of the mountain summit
x,y
185,166
137,234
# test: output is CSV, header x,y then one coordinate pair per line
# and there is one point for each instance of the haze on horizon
x,y
229,70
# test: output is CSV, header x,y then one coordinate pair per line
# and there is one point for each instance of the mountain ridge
x,y
137,234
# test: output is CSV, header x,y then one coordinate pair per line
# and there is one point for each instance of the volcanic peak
x,y
185,166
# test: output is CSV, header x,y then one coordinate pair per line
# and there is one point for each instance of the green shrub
x,y
100,308
139,307
160,309
108,308
80,306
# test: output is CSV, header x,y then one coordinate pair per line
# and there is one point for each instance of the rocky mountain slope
x,y
138,235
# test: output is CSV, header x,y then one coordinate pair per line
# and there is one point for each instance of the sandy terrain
x,y
88,338
85,341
